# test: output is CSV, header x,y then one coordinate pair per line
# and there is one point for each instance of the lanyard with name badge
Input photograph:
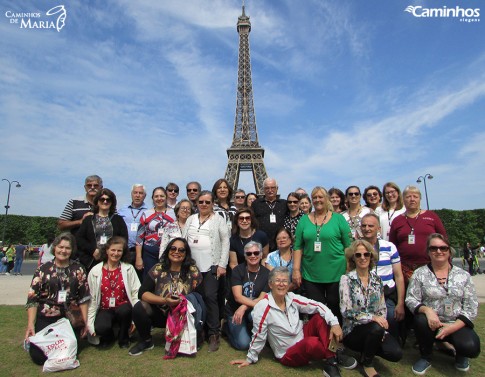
x,y
317,245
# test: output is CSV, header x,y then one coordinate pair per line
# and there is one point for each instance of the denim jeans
x,y
17,265
240,335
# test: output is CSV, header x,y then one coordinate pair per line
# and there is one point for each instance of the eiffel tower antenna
x,y
245,153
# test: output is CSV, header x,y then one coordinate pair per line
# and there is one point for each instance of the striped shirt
x,y
75,210
388,255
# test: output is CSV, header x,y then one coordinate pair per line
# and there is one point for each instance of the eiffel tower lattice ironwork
x,y
245,153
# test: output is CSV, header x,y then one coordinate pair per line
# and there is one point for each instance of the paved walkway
x,y
13,289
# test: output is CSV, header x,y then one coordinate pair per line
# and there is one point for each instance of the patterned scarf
x,y
176,321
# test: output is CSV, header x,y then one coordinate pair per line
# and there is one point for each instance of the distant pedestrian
x,y
10,254
19,258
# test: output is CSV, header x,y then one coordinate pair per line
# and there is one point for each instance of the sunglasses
x,y
353,194
94,185
239,197
292,201
173,190
105,200
435,249
244,218
181,250
372,194
192,190
360,255
205,202
250,253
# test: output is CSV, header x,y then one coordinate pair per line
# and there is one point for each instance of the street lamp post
x,y
429,176
7,206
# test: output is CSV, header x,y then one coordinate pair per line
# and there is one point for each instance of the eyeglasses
x,y
360,255
282,239
250,253
91,185
185,209
244,218
104,199
391,192
292,201
443,249
174,249
353,194
281,281
372,194
192,190
239,197
205,201
173,190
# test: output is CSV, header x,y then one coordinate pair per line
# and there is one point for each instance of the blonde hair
x,y
350,251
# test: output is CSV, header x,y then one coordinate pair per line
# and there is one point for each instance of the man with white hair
x,y
270,211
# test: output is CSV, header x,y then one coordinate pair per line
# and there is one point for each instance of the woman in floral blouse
x,y
363,309
55,285
161,292
444,302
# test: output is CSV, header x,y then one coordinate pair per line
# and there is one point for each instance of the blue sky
x,y
345,92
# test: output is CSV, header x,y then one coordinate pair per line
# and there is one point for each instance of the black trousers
x,y
106,318
146,316
371,340
213,292
465,340
326,293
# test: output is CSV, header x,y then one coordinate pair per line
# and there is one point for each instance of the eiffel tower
x,y
245,153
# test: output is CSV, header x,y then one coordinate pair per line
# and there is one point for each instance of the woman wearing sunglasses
x,y
208,236
444,302
355,210
249,284
294,212
161,292
363,309
243,231
97,229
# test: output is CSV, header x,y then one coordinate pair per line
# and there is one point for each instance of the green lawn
x,y
115,362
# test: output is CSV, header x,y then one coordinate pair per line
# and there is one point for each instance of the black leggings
x,y
465,340
145,316
105,318
326,293
372,340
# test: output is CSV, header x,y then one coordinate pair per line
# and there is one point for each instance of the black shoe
x,y
214,342
345,361
141,347
330,368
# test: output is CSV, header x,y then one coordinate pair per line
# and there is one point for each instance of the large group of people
x,y
318,276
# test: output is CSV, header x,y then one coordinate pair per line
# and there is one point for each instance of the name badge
x,y
448,307
411,239
62,297
317,246
272,218
103,240
112,302
133,227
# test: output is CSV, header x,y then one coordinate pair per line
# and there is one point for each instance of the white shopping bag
x,y
188,343
59,344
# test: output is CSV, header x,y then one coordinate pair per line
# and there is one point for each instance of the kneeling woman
x,y
363,309
444,302
114,288
277,319
161,291
249,284
55,285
